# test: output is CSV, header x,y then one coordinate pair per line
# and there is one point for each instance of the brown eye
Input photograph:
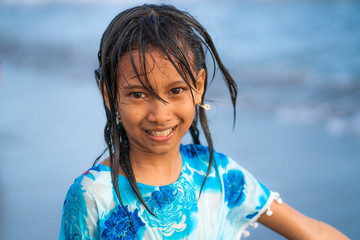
x,y
137,94
176,90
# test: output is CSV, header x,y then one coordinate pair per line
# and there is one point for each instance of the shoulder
x,y
83,202
96,177
88,186
194,150
201,154
224,167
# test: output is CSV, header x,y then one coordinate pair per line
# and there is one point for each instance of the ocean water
x,y
297,64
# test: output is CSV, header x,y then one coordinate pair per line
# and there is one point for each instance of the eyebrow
x,y
177,83
127,87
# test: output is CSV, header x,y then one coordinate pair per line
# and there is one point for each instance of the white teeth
x,y
160,133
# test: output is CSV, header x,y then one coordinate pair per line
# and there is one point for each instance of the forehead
x,y
150,69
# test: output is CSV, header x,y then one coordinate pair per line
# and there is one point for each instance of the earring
x,y
206,107
118,117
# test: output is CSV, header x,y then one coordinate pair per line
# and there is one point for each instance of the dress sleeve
x,y
245,197
79,215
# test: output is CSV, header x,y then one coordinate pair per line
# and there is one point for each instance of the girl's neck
x,y
156,169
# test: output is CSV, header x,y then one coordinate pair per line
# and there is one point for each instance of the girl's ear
x,y
200,82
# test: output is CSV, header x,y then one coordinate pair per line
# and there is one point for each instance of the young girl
x,y
153,78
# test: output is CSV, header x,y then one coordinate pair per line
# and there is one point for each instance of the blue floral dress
x,y
231,200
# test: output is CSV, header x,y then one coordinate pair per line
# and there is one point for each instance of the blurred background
x,y
297,65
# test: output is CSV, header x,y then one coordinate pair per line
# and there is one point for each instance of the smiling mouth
x,y
162,133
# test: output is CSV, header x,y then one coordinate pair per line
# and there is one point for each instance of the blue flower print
x,y
234,185
251,216
75,212
75,198
165,196
174,206
221,159
191,151
74,236
118,226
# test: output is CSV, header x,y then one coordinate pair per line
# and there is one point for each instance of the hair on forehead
x,y
175,33
142,64
140,30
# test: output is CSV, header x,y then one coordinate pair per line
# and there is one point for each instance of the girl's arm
x,y
293,225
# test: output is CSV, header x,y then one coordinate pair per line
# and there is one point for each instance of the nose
x,y
159,112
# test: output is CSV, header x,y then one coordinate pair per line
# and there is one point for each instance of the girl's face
x,y
153,126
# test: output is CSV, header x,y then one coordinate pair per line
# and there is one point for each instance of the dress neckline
x,y
124,180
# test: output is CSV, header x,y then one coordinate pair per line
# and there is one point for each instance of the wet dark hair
x,y
181,40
